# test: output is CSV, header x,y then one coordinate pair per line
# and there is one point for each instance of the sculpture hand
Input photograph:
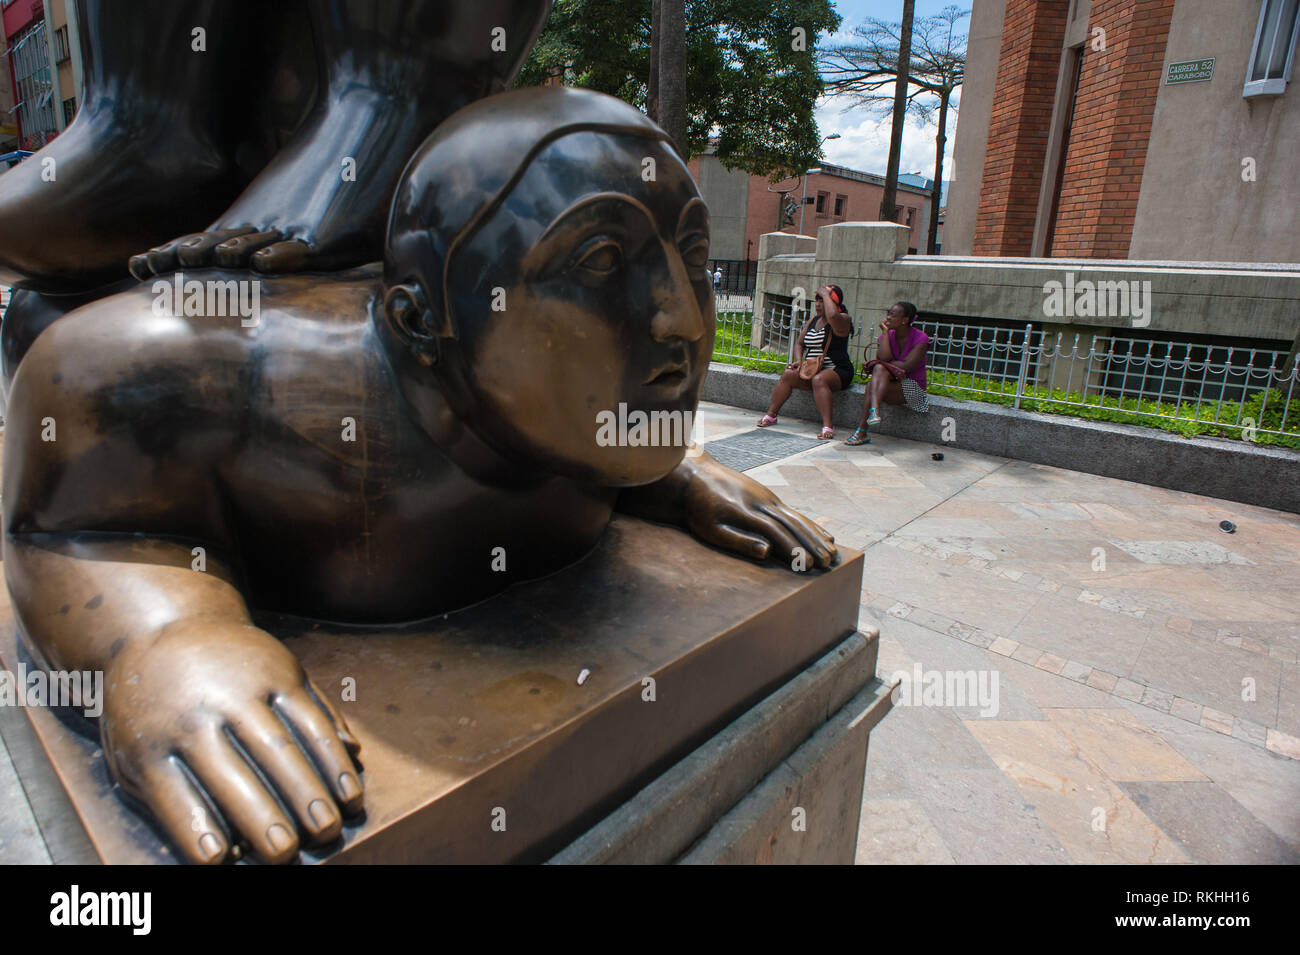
x,y
729,510
223,717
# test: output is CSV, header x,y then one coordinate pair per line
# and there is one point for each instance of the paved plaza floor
x,y
1147,685
1148,694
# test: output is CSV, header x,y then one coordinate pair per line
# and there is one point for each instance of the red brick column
x,y
1032,34
1112,126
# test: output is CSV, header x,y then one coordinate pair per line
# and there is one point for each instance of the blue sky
x,y
864,139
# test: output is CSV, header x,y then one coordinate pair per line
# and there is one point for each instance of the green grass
x,y
1180,417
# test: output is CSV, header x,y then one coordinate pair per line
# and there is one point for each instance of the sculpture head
x,y
546,264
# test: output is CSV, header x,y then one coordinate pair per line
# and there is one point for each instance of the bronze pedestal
x,y
507,730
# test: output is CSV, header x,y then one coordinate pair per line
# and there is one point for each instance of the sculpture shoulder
x,y
157,343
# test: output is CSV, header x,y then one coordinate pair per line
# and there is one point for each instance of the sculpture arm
x,y
731,511
199,705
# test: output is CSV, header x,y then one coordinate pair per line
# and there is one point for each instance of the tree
x,y
751,76
860,70
889,201
672,70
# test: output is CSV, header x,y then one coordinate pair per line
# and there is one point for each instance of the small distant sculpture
x,y
365,447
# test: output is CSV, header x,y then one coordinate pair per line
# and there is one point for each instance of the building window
x,y
840,202
33,86
821,203
910,213
1274,50
61,51
69,109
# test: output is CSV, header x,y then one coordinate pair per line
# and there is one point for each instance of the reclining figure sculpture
x,y
360,449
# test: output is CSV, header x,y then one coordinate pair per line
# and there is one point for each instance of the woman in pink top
x,y
900,357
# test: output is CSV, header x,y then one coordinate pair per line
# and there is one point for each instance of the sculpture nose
x,y
677,311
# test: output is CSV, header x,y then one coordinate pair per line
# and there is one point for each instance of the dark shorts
x,y
846,376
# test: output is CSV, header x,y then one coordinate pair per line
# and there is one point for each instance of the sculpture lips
x,y
673,374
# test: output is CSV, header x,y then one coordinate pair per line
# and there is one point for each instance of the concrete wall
x,y
971,140
1193,203
1230,301
726,192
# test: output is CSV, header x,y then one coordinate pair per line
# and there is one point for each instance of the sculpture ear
x,y
407,312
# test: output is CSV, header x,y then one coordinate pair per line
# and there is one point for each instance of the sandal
x,y
860,436
766,421
873,417
827,434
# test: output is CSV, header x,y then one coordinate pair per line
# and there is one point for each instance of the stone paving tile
x,y
1267,785
1282,743
1288,704
958,592
1236,837
898,832
938,652
1211,674
965,805
1121,746
1078,631
1088,813
20,837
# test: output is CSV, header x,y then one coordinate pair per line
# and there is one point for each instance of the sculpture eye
x,y
695,251
599,258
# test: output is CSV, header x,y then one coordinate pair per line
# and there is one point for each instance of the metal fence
x,y
1245,390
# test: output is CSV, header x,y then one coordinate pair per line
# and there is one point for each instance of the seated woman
x,y
837,370
356,451
897,371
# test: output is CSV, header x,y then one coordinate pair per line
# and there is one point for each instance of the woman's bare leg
x,y
824,386
788,381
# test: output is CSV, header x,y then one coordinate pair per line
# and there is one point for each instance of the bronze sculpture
x,y
239,133
365,448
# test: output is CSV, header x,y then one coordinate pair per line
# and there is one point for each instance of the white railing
x,y
1242,391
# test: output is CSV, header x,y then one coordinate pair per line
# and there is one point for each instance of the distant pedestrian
x,y
717,278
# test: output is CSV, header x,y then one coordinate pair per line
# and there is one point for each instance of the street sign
x,y
1190,71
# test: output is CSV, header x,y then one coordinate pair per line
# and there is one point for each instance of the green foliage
x,y
744,82
1214,418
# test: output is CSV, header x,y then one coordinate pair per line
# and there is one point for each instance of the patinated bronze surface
x,y
365,448
247,133
484,710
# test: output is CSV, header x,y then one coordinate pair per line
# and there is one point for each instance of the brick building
x,y
1152,129
742,206
44,69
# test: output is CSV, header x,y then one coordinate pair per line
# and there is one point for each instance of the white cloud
x,y
864,140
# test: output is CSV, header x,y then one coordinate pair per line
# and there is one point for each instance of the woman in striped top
x,y
827,335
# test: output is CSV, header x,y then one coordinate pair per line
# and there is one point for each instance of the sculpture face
x,y
603,310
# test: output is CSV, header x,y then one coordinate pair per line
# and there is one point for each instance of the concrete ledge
x,y
1232,470
682,807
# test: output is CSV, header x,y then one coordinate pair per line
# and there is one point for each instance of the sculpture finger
x,y
184,814
243,799
196,251
277,756
318,736
782,541
734,540
340,724
810,535
282,258
234,253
